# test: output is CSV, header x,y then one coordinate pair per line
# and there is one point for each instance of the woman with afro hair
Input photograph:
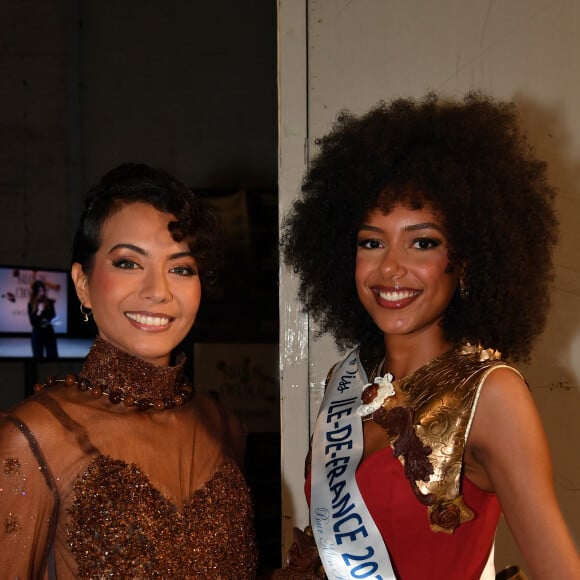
x,y
423,241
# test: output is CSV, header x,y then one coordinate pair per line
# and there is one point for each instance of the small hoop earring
x,y
86,312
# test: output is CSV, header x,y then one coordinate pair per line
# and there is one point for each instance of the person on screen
x,y
423,240
122,470
41,312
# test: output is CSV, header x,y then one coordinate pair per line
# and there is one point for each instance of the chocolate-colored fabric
x,y
119,491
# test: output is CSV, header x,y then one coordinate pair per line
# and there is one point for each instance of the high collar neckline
x,y
111,368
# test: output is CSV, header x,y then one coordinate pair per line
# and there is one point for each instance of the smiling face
x,y
144,288
403,276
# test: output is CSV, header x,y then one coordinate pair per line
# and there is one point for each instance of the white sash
x,y
349,542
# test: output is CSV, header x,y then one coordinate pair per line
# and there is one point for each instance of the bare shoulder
x,y
505,402
506,432
25,415
507,453
19,429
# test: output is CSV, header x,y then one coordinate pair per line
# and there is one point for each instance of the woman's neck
x,y
405,354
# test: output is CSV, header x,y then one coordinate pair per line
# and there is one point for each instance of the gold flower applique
x,y
483,354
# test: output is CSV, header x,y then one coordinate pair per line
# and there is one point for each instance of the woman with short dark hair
x,y
122,471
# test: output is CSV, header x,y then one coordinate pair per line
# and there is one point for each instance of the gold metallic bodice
x,y
428,421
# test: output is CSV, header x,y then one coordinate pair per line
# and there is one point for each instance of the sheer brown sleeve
x,y
28,502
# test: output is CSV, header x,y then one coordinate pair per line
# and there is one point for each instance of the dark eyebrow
x,y
411,228
143,252
132,247
424,226
181,255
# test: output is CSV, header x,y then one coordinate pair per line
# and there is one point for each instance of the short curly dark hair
x,y
468,160
136,182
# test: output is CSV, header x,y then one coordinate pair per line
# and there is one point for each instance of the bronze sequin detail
x,y
122,526
124,378
11,524
11,466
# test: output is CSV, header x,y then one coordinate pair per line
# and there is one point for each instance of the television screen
x,y
15,288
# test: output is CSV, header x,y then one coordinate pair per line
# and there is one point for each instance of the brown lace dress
x,y
92,487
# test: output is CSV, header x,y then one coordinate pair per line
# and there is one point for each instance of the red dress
x,y
416,551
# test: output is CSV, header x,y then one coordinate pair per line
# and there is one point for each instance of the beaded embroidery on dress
x,y
141,491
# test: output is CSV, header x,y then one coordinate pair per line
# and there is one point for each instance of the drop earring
x,y
86,312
